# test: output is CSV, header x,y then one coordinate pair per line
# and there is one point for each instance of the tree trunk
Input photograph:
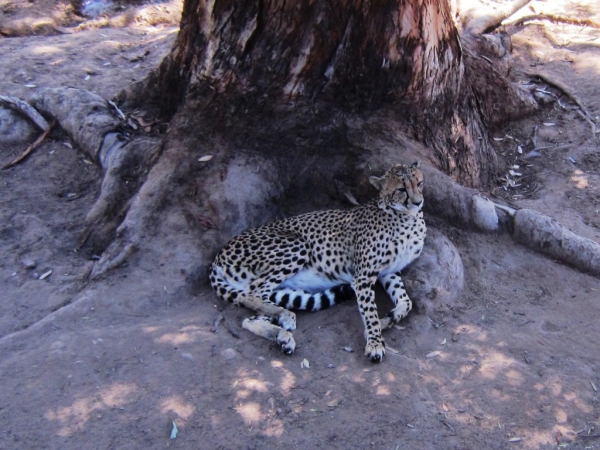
x,y
298,58
269,100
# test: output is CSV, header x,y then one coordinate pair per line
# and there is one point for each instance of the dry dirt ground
x,y
112,364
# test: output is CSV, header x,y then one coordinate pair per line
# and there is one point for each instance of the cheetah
x,y
313,261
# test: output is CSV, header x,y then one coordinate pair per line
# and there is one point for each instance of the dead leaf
x,y
205,158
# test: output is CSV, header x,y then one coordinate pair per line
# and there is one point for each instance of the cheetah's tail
x,y
306,301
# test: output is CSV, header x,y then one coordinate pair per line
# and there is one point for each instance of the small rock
x,y
28,263
229,353
188,356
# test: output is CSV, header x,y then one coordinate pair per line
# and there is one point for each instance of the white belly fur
x,y
311,281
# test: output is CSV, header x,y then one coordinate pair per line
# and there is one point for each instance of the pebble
x,y
28,263
229,353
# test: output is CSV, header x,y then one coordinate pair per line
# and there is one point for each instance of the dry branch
x,y
31,148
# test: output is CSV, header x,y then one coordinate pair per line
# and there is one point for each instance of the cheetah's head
x,y
401,188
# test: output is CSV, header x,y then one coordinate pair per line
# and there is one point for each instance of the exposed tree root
x,y
546,235
90,123
566,90
554,18
489,22
243,191
27,110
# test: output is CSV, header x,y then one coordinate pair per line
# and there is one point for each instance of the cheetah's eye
x,y
420,185
403,190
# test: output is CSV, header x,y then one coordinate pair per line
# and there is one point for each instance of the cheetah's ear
x,y
377,182
416,164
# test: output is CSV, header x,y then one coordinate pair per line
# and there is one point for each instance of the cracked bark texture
x,y
354,52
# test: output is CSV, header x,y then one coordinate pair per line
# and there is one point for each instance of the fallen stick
x,y
31,148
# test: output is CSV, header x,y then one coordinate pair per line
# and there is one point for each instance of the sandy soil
x,y
515,363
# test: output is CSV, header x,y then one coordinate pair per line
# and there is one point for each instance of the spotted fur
x,y
315,260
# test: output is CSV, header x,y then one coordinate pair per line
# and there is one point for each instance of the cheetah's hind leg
x,y
262,326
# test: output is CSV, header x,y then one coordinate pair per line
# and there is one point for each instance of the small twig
x,y
26,109
116,108
31,148
589,436
535,133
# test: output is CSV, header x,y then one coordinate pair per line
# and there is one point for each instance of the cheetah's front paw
x,y
287,320
286,341
375,350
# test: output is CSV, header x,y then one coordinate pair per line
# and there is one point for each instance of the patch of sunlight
x,y
535,439
177,405
186,335
288,380
485,419
46,50
72,418
580,179
572,397
555,387
470,330
496,364
275,428
514,378
497,394
390,377
382,390
560,415
250,412
256,385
